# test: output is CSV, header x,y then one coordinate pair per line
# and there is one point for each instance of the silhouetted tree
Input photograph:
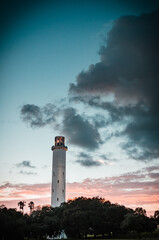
x,y
138,222
21,205
12,224
31,206
77,218
140,211
156,216
82,214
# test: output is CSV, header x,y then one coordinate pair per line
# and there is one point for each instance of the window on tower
x,y
57,141
57,181
57,199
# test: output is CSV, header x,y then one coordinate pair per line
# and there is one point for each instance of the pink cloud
x,y
134,189
16,191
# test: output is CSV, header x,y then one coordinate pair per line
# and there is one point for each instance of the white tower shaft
x,y
58,172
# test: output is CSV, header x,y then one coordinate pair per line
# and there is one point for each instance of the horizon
x,y
125,198
26,210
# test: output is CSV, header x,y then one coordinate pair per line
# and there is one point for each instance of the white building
x,y
58,172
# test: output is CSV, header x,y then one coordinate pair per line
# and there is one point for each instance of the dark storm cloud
x,y
116,112
143,138
36,116
128,66
129,70
99,120
26,164
87,161
79,130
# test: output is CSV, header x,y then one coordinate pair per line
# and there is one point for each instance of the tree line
x,y
79,218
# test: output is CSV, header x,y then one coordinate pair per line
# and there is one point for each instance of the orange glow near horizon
x,y
118,192
137,189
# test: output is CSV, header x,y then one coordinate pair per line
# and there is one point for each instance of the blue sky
x,y
45,47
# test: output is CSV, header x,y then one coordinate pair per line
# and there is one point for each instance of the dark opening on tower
x,y
59,141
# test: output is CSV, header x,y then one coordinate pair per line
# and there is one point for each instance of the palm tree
x,y
31,206
21,205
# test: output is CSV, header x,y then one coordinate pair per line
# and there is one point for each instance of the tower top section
x,y
59,143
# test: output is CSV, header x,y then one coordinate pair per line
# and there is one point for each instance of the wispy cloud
x,y
25,164
86,160
16,191
27,172
140,188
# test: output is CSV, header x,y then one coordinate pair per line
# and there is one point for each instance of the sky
x,y
86,70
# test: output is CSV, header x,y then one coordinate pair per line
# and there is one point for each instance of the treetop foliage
x,y
77,217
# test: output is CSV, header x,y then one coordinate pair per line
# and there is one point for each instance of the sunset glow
x,y
133,190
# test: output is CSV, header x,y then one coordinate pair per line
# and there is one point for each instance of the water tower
x,y
58,172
